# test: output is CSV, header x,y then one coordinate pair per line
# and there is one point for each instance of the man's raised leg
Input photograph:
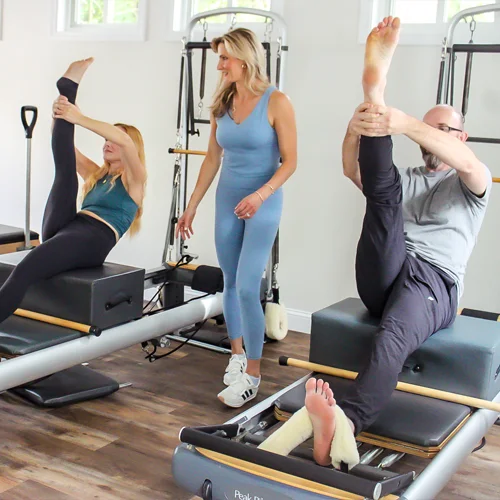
x,y
381,249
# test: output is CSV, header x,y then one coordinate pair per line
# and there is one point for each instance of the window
x,y
186,9
101,19
434,11
427,21
85,12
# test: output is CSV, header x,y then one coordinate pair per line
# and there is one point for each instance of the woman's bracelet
x,y
272,189
260,196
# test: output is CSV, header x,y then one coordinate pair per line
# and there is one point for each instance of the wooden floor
x,y
120,447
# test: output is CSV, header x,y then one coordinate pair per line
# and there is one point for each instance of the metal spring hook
x,y
472,27
269,29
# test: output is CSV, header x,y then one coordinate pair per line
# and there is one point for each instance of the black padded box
x,y
464,358
103,296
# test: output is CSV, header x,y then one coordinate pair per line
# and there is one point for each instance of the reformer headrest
x,y
208,279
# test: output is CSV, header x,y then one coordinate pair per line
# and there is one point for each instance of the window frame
x,y
62,27
180,15
371,11
1,19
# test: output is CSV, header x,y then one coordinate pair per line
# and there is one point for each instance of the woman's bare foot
x,y
77,69
320,405
380,46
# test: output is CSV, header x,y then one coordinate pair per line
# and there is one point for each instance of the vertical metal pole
x,y
181,193
28,129
27,239
451,90
444,54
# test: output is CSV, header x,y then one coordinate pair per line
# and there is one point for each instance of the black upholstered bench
x,y
12,237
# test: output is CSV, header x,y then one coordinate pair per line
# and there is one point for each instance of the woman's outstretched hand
x,y
185,224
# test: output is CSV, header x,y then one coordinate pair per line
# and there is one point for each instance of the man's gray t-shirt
x,y
442,218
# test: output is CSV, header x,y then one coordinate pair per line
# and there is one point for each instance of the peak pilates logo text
x,y
245,496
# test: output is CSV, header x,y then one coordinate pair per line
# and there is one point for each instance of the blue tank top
x,y
251,150
114,205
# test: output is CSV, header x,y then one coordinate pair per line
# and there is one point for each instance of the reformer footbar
x,y
401,386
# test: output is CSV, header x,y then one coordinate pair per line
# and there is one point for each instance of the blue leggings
x,y
243,249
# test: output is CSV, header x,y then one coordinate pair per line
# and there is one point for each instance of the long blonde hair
x,y
92,180
243,44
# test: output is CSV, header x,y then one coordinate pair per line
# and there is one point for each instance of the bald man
x,y
418,233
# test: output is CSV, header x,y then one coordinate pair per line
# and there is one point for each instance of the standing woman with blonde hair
x,y
254,124
113,196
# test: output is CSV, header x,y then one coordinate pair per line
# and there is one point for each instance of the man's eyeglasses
x,y
446,128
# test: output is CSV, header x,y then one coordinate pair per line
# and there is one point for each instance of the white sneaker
x,y
240,392
235,369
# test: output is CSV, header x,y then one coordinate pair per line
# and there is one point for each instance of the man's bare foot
x,y
380,46
320,405
77,69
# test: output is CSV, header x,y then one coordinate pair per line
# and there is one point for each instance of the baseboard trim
x,y
298,321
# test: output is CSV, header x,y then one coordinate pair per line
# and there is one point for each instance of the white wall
x,y
136,82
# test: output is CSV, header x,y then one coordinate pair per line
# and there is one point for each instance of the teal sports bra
x,y
112,204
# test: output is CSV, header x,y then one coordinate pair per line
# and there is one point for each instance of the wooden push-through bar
x,y
186,152
496,179
80,327
402,386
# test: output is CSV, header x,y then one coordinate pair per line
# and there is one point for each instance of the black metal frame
x,y
446,81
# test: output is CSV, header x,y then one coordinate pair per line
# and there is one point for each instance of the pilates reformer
x,y
80,315
419,441
187,122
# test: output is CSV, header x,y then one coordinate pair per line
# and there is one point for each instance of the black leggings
x,y
70,240
412,298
